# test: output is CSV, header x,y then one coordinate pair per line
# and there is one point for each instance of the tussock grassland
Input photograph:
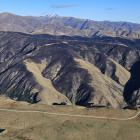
x,y
36,126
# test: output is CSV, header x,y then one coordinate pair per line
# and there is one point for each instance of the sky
x,y
112,10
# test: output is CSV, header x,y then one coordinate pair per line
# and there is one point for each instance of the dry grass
x,y
122,74
48,94
103,85
36,126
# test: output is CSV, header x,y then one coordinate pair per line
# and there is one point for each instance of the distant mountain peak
x,y
52,15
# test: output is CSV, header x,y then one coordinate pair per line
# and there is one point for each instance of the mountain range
x,y
64,60
57,25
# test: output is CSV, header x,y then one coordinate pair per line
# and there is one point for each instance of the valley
x,y
69,70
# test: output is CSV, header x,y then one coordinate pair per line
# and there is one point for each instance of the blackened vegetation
x,y
66,76
132,87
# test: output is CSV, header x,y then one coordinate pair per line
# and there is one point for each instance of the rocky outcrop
x,y
65,70
3,131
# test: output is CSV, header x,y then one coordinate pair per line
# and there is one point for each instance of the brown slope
x,y
48,93
107,91
121,73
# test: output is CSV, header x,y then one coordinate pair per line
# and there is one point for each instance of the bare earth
x,y
40,126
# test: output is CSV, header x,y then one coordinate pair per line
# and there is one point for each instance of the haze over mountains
x,y
57,25
89,63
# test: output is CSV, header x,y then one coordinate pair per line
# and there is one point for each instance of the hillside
x,y
66,70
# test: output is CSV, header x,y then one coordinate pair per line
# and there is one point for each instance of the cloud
x,y
109,9
59,6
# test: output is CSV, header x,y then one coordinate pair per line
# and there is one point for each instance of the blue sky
x,y
114,10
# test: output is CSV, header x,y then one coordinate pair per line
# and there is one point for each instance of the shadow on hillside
x,y
131,89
